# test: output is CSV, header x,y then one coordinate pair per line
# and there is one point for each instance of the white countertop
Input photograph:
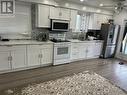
x,y
34,42
23,42
86,41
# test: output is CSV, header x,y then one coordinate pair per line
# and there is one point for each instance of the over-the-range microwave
x,y
60,25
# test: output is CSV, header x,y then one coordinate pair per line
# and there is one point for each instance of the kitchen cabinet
x,y
42,16
84,50
73,18
47,55
98,49
74,51
91,51
97,19
59,13
12,57
78,51
4,60
33,54
39,54
18,54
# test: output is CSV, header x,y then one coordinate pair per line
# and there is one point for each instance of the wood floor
x,y
108,68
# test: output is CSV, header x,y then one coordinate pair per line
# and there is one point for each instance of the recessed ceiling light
x,y
116,8
81,0
101,5
98,10
84,8
67,4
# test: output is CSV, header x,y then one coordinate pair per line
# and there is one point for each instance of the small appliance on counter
x,y
44,36
82,36
93,33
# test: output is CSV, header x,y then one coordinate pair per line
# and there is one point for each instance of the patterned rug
x,y
79,84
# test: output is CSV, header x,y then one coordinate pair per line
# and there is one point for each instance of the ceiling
x,y
96,3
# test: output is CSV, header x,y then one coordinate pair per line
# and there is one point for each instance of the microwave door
x,y
60,25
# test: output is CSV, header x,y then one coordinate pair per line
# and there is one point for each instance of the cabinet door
x,y
74,51
33,55
4,60
73,18
54,13
43,16
83,50
98,49
91,51
47,54
64,14
18,54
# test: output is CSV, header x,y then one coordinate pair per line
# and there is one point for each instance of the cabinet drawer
x,y
39,46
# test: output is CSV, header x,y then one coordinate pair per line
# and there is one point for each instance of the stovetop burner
x,y
57,41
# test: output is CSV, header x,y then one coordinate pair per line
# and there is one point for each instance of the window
x,y
82,22
124,41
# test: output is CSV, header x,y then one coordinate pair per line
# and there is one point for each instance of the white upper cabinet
x,y
59,13
54,13
97,19
42,16
64,14
73,18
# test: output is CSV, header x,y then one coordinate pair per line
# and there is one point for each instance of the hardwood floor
x,y
108,68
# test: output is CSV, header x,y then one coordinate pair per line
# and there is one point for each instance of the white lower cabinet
x,y
19,57
91,50
81,51
47,56
18,54
33,55
39,54
12,57
4,60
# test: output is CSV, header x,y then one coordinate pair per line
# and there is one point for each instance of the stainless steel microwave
x,y
60,25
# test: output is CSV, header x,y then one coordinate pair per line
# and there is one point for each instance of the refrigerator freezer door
x,y
116,31
109,52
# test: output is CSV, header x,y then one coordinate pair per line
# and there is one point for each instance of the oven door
x,y
61,52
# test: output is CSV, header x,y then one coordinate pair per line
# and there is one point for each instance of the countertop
x,y
86,41
23,42
34,42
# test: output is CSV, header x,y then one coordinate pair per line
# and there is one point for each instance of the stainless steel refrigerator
x,y
109,33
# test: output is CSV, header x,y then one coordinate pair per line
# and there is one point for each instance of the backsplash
x,y
37,31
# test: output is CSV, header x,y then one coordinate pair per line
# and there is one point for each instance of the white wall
x,y
11,27
119,19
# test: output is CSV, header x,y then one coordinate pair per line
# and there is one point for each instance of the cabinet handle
x,y
41,55
10,58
